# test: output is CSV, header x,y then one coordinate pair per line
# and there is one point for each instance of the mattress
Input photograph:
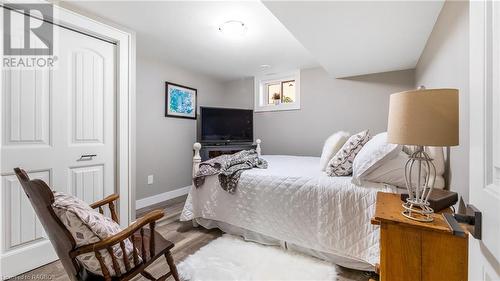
x,y
294,202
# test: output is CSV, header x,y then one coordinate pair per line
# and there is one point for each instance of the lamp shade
x,y
424,117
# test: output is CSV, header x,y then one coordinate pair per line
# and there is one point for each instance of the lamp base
x,y
418,211
417,205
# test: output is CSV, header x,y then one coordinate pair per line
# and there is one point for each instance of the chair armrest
x,y
149,218
110,200
107,200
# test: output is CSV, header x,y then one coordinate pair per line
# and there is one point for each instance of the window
x,y
277,92
273,92
288,91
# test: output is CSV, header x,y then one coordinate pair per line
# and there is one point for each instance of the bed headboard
x,y
196,157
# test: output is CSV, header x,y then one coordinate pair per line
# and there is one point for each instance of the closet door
x,y
58,125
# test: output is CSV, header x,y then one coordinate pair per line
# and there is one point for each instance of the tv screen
x,y
221,125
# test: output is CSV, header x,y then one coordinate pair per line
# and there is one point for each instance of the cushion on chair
x,y
88,226
161,246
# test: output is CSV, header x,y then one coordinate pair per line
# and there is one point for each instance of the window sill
x,y
280,107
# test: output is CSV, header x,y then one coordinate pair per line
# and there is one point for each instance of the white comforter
x,y
294,201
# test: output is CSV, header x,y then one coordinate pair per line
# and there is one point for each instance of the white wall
x,y
445,64
164,145
327,105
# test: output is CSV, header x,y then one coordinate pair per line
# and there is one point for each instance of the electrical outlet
x,y
151,179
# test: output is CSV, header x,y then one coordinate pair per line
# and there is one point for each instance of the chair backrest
x,y
41,197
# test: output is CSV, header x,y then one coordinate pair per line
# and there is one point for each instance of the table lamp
x,y
422,117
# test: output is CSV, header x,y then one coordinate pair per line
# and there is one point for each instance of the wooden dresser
x,y
412,250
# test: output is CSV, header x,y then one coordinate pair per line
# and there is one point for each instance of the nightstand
x,y
412,250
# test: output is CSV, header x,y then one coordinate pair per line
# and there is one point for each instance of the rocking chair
x,y
148,243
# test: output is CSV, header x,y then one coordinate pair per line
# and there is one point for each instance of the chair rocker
x,y
148,244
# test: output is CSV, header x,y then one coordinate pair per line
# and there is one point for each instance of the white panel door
x,y
51,118
484,254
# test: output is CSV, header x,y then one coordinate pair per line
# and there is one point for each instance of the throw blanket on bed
x,y
229,168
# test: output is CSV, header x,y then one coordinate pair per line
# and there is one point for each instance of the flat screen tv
x,y
226,125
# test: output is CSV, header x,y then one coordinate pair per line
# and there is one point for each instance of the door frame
x,y
125,125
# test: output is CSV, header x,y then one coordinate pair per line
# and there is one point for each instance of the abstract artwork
x,y
180,101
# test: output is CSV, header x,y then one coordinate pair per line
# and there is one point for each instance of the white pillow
x,y
437,154
373,154
391,172
341,163
332,144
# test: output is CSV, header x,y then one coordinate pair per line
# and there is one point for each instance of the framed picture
x,y
180,101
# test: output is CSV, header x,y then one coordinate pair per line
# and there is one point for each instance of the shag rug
x,y
231,258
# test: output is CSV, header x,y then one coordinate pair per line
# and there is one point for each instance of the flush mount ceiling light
x,y
233,28
264,67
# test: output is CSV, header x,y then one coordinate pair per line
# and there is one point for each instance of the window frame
x,y
261,95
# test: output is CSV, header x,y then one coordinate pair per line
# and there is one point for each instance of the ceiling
x,y
186,34
350,38
347,38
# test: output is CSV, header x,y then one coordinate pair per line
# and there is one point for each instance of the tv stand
x,y
209,151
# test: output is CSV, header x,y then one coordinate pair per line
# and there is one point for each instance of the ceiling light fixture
x,y
264,67
233,28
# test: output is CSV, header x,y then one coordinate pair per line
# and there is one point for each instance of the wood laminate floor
x,y
187,240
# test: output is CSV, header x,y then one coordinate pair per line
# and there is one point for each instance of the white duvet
x,y
294,201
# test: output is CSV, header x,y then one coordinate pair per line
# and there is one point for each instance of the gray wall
x,y
445,64
329,105
164,145
239,93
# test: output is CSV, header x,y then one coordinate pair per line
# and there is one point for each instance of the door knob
x,y
471,216
87,157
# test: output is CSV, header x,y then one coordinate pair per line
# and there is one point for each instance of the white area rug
x,y
231,258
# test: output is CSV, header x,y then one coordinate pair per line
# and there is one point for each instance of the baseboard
x,y
148,201
26,258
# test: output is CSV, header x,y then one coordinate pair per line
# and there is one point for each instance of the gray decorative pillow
x,y
88,226
341,163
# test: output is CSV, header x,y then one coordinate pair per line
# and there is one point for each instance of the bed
x,y
295,205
